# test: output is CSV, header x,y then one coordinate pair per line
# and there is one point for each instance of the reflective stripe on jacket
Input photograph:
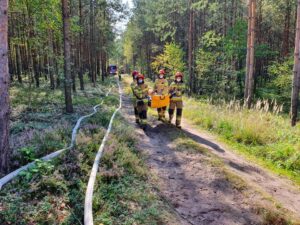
x,y
161,86
176,91
141,91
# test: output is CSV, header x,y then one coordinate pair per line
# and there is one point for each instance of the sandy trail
x,y
281,189
200,189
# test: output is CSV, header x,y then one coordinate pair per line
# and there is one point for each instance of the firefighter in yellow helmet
x,y
176,91
132,86
161,87
141,91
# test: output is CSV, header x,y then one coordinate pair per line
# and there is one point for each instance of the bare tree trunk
x,y
58,52
296,80
103,65
73,54
80,48
248,51
251,63
92,47
249,81
225,18
67,56
233,13
19,64
50,60
32,50
190,46
286,34
5,152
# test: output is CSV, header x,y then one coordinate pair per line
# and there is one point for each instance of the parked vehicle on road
x,y
112,69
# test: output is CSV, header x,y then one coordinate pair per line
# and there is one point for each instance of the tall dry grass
x,y
262,131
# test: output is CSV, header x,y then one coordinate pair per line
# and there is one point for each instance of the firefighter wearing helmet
x,y
141,92
176,92
161,87
132,86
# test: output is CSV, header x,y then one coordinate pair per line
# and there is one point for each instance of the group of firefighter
x,y
142,97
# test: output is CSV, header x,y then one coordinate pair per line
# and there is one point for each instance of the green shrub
x,y
27,154
48,142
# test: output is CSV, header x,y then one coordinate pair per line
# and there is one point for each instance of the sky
x,y
121,25
130,2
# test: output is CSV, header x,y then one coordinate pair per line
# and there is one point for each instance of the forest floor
x,y
207,183
53,192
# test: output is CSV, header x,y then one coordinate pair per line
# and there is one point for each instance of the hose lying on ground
x,y
88,204
4,180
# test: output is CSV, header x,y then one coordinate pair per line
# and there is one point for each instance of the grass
x,y
124,195
39,125
262,136
53,192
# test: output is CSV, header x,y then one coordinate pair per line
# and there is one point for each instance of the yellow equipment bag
x,y
159,101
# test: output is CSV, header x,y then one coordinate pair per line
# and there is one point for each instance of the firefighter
x,y
132,86
141,91
176,92
161,87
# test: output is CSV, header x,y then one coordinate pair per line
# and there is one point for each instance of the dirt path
x,y
281,189
204,189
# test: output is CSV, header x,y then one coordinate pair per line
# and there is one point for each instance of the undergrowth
x,y
39,125
257,133
53,192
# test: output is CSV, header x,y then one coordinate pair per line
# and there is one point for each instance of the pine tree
x,y
249,80
296,80
67,56
5,152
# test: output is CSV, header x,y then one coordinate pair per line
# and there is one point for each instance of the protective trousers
x,y
142,109
178,105
136,113
161,113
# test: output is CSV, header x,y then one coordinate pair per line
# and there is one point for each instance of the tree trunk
x,y
56,49
248,51
73,68
190,47
50,61
296,79
5,152
80,47
19,64
92,47
67,56
73,54
249,80
225,18
286,34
